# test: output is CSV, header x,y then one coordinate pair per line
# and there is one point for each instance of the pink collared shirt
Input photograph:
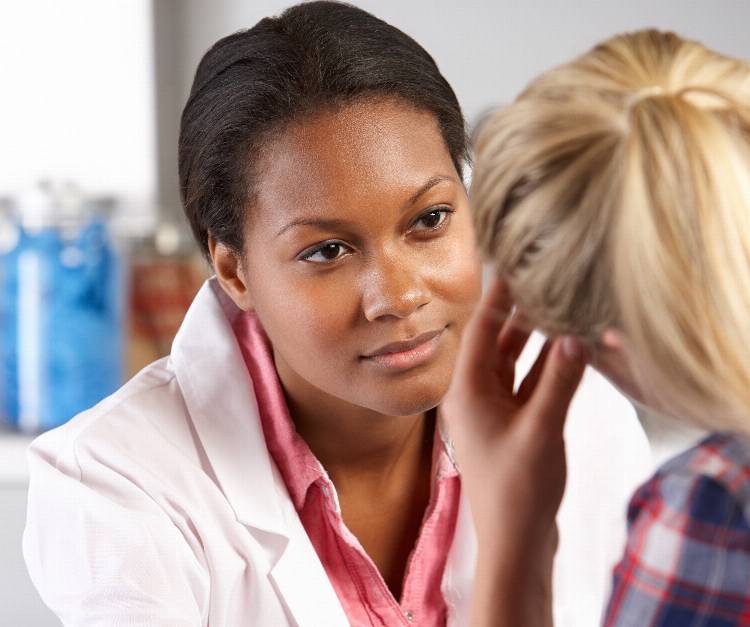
x,y
363,593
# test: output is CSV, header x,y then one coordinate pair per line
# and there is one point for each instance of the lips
x,y
407,354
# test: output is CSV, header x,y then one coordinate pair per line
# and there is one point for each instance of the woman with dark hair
x,y
284,464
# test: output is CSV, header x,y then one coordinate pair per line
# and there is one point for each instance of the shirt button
x,y
409,616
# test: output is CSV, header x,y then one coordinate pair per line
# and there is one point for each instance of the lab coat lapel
x,y
221,402
218,393
302,583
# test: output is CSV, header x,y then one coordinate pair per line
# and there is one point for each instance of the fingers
x,y
480,337
514,336
559,379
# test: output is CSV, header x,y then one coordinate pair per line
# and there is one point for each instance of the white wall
x,y
78,96
488,50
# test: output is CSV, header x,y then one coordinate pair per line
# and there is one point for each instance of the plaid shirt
x,y
687,558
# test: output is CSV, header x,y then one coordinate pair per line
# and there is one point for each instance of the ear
x,y
611,339
230,273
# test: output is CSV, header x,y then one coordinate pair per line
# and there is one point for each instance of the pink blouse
x,y
360,587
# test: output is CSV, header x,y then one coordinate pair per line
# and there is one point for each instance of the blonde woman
x,y
614,197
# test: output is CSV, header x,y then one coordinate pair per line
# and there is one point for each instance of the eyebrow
x,y
334,224
435,180
325,224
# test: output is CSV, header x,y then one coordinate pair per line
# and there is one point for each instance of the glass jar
x,y
61,289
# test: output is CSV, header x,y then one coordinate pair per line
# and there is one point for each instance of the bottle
x,y
165,273
60,308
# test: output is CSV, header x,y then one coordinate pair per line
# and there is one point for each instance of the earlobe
x,y
230,273
611,339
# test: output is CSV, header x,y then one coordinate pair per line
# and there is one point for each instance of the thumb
x,y
558,383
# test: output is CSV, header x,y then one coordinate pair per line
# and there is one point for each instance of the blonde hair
x,y
615,192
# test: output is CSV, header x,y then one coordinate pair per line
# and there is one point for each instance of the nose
x,y
394,288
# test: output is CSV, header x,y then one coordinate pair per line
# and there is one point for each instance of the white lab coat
x,y
162,507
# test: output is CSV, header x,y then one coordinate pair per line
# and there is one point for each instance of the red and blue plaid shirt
x,y
687,558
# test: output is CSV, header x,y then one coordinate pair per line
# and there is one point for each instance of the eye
x,y
325,253
432,220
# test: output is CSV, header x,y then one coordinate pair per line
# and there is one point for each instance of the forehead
x,y
356,157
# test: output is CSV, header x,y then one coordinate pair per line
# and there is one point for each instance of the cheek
x,y
457,274
308,320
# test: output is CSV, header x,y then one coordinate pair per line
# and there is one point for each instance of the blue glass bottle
x,y
60,316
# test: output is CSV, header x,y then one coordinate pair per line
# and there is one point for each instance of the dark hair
x,y
251,84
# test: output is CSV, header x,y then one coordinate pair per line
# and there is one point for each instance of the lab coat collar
x,y
220,400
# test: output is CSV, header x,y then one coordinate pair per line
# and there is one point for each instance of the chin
x,y
408,409
412,399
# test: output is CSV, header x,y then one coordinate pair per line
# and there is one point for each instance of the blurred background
x,y
96,264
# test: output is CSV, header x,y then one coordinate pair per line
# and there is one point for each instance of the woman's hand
x,y
509,446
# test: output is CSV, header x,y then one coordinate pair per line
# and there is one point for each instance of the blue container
x,y
60,320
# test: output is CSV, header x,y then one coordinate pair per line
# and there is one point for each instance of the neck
x,y
354,443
